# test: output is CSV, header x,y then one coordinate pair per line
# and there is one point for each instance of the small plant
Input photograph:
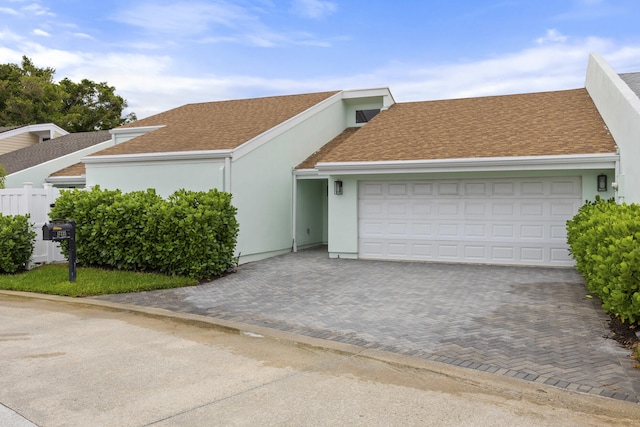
x,y
17,241
604,239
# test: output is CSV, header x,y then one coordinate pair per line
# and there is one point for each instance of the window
x,y
363,116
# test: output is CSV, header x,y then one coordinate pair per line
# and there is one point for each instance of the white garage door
x,y
496,221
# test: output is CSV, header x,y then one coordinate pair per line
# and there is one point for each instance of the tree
x,y
92,106
29,95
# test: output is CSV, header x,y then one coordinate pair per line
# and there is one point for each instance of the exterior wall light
x,y
602,182
337,188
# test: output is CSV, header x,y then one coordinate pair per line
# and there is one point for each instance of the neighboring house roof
x,y
8,128
534,124
214,125
48,150
633,81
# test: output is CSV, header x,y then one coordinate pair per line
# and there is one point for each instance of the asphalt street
x,y
75,362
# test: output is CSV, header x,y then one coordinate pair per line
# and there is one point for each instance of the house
x,y
617,98
16,137
481,180
37,162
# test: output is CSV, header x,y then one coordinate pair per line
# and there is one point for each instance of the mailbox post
x,y
58,231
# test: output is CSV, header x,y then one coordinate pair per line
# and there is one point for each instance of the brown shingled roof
x,y
310,162
74,170
535,124
215,125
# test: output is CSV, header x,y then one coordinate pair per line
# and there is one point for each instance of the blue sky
x,y
162,54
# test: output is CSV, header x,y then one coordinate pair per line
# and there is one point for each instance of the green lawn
x,y
54,279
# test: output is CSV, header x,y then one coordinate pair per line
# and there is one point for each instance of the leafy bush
x,y
16,243
190,234
604,238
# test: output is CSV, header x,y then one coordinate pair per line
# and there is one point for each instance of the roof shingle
x,y
535,124
214,125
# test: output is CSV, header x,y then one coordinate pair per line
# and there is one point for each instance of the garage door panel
x,y
504,221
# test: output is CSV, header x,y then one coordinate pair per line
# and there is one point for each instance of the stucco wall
x,y
620,108
166,177
262,183
310,212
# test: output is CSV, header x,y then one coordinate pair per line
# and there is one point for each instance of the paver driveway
x,y
536,324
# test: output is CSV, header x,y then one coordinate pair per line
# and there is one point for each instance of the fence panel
x,y
37,203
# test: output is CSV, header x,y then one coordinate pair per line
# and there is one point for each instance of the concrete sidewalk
x,y
534,324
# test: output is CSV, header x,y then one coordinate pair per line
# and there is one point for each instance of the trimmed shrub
x,y
190,234
604,239
17,240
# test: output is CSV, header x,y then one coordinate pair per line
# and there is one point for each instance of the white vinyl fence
x,y
36,202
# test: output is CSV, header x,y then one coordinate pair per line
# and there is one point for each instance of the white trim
x,y
135,130
158,157
489,164
39,128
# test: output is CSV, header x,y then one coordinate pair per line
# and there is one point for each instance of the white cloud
x,y
182,18
8,11
552,36
37,10
41,33
83,36
314,9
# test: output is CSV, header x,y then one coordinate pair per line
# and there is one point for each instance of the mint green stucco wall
x,y
165,177
343,209
311,212
262,183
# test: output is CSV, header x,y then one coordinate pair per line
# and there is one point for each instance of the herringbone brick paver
x,y
535,324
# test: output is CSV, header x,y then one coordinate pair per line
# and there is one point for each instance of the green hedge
x,y
604,239
190,234
16,243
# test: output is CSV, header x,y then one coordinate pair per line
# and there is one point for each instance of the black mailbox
x,y
60,230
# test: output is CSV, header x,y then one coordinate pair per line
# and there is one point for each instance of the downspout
x,y
617,182
294,216
227,174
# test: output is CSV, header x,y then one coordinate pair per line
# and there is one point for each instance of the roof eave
x,y
483,164
67,180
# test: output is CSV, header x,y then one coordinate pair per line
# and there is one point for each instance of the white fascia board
x,y
146,158
307,174
487,164
368,93
67,180
45,127
134,130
